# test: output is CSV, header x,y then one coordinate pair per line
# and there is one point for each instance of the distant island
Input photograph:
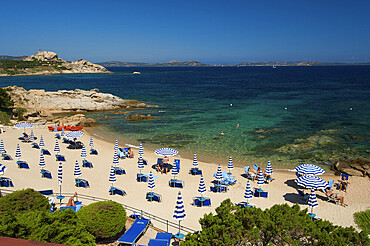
x,y
45,63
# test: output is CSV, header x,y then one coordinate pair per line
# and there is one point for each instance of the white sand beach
x,y
280,190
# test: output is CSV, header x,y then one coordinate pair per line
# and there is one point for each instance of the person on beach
x,y
343,183
130,153
252,174
165,162
330,194
71,201
160,167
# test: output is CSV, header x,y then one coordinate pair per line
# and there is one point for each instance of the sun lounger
x,y
23,164
255,167
302,197
76,208
86,163
141,178
82,183
162,239
35,146
117,191
332,199
6,157
122,153
119,171
45,174
246,169
6,182
45,152
230,179
75,145
314,216
195,171
93,152
46,192
137,229
60,158
57,136
260,193
177,164
151,196
201,201
245,205
66,140
137,215
176,183
219,188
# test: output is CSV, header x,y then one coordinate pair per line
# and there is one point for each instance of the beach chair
x,y
176,183
117,191
86,163
245,205
119,171
82,183
229,179
57,136
45,174
46,192
6,157
23,164
60,158
141,178
76,208
35,146
302,197
137,215
137,229
218,188
45,152
6,182
151,196
344,185
162,239
176,164
122,153
66,140
93,152
258,192
201,201
195,171
255,167
246,169
332,199
75,145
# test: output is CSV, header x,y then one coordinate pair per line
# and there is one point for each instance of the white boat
x,y
273,66
136,73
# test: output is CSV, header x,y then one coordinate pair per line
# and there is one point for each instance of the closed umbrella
x,y
60,176
116,147
166,152
42,161
77,172
141,150
230,165
62,133
309,169
2,148
18,152
41,142
179,213
260,178
2,169
219,174
248,192
202,186
115,160
312,200
195,161
56,148
151,183
32,137
311,182
83,152
91,142
174,172
112,176
269,170
140,164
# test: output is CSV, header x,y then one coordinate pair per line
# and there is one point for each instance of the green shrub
x,y
5,99
21,112
103,219
4,118
362,219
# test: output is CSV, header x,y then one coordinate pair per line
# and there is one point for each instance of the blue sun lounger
x,y
76,208
118,191
60,158
162,239
137,229
93,152
82,183
45,152
6,182
86,163
6,157
45,174
35,146
23,164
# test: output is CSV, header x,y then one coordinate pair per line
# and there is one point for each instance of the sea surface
x,y
290,115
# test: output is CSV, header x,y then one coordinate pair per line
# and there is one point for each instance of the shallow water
x,y
290,104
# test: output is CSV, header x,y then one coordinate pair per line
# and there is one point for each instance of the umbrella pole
x,y
179,226
60,193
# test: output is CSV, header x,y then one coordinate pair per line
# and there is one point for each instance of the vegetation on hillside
x,y
5,106
13,67
279,225
362,219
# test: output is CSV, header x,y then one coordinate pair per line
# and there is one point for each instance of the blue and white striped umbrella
x,y
77,172
83,152
311,182
312,200
91,142
24,125
248,192
141,149
174,171
219,173
112,176
32,137
41,142
56,148
309,169
55,128
60,174
62,133
115,160
269,168
18,152
179,213
42,161
260,178
195,161
116,147
74,134
151,183
230,164
2,148
166,152
140,163
202,186
2,169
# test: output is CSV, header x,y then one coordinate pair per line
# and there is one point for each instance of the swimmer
x,y
237,125
222,133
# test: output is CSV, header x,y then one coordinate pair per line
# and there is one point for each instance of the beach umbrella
x,y
219,173
202,186
141,149
151,183
42,161
179,213
311,182
166,152
32,137
62,133
74,134
312,200
140,164
41,142
60,176
24,125
248,192
195,161
269,168
83,152
116,147
112,176
55,128
2,169
309,169
77,172
56,148
230,164
174,172
115,160
260,178
2,148
91,142
18,152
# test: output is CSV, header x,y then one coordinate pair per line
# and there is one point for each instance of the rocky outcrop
x,y
355,168
46,56
84,66
77,120
137,117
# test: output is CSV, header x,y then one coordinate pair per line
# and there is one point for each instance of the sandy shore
x,y
281,190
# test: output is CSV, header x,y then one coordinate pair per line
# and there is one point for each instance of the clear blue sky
x,y
209,31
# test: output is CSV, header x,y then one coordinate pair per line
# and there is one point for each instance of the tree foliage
x,y
279,225
103,219
5,99
362,219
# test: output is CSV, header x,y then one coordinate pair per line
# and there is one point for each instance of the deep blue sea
x,y
290,115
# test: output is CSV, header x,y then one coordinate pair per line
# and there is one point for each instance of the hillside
x,y
173,63
12,58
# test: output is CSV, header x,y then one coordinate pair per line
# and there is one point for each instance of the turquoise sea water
x,y
301,114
